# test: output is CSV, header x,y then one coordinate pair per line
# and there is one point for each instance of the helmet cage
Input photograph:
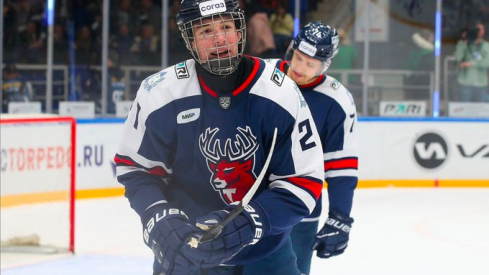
x,y
216,65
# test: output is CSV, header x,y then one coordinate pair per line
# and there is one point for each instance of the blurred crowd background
x,y
400,48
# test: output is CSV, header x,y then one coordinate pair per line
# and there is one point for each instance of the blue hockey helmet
x,y
316,40
198,13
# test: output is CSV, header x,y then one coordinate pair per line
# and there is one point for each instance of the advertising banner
x,y
390,150
403,108
468,109
424,150
77,109
96,147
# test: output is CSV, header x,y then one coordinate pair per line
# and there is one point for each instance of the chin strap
x,y
222,66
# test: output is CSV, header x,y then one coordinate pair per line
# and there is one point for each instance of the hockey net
x,y
37,164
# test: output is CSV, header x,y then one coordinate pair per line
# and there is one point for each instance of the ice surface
x,y
396,231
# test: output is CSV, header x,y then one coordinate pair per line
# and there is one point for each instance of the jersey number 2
x,y
305,126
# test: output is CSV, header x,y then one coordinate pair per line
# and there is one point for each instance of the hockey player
x,y
333,109
197,136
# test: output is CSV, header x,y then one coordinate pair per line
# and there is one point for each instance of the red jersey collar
x,y
242,87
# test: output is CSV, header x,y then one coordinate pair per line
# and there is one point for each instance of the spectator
x,y
345,58
84,47
472,53
32,44
149,14
420,59
14,87
175,46
125,15
22,13
96,27
282,25
60,45
37,11
146,45
9,36
117,83
80,14
259,35
174,8
122,43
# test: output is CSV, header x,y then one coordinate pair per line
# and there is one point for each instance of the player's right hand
x,y
245,229
165,229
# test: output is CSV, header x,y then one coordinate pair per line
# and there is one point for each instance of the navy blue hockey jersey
x,y
201,150
334,113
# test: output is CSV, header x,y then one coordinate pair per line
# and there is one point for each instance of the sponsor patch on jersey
x,y
181,70
212,7
307,48
278,77
335,84
151,82
188,116
225,102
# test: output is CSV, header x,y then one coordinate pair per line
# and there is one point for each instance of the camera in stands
x,y
472,34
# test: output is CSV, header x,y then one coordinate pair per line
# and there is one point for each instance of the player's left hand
x,y
246,229
332,239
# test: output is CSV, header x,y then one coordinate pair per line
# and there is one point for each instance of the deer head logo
x,y
231,166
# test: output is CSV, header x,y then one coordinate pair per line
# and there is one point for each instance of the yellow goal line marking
x,y
16,200
32,198
459,183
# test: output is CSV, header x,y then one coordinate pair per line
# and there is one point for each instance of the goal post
x,y
37,165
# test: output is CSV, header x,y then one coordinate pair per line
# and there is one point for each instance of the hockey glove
x,y
246,229
332,239
165,230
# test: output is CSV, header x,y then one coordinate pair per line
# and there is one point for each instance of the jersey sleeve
x,y
340,148
296,166
142,158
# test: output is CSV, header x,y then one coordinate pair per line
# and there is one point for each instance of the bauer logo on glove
x,y
337,224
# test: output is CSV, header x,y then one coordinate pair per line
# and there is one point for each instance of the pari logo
x,y
231,165
211,7
430,150
181,70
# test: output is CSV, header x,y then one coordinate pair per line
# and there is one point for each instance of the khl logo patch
x,y
225,102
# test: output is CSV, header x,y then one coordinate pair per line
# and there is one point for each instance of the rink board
x,y
393,153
